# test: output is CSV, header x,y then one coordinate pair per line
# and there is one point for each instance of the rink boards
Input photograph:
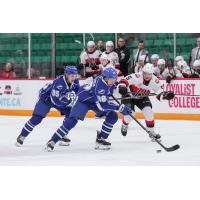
x,y
18,97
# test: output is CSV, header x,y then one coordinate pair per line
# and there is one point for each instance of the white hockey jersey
x,y
168,72
113,60
88,59
136,84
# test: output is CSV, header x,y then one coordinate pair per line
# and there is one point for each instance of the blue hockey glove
x,y
124,109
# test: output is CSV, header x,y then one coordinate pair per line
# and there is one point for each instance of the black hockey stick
x,y
168,149
154,94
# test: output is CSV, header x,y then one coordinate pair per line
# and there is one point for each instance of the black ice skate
x,y
102,144
65,141
20,141
124,129
50,145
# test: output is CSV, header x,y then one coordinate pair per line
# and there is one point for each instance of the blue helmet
x,y
109,72
71,70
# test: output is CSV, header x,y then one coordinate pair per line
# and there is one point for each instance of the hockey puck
x,y
158,151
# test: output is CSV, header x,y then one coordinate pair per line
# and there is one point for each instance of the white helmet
x,y
143,57
178,58
109,43
90,43
196,63
148,68
154,57
181,63
161,62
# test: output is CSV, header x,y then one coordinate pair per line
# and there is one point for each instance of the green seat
x,y
45,46
158,42
134,44
151,36
149,43
190,41
180,41
162,35
182,35
168,42
61,46
35,46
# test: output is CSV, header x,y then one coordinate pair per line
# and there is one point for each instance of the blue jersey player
x,y
93,97
60,94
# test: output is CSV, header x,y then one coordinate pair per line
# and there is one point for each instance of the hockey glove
x,y
94,66
168,95
168,79
124,109
123,90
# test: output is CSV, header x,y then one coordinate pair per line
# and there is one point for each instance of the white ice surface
x,y
134,149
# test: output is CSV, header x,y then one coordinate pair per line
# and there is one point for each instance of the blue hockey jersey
x,y
59,92
97,93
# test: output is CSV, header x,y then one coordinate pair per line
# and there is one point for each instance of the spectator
x,y
183,69
100,47
112,56
141,62
177,59
124,56
172,72
90,60
196,69
138,52
8,72
160,70
195,53
154,60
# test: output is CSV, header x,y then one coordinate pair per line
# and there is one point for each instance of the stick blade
x,y
77,41
173,148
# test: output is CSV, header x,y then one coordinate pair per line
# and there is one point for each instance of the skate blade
x,y
48,149
17,144
61,143
101,147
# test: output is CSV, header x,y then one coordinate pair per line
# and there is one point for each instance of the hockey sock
x,y
108,124
68,124
29,126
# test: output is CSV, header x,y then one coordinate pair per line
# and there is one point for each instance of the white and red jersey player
x,y
138,86
90,60
112,57
106,62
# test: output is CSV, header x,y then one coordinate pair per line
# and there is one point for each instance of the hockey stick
x,y
92,36
168,149
154,94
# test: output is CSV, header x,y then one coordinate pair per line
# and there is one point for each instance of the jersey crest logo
x,y
59,87
101,91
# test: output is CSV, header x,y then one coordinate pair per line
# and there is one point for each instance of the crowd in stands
x,y
93,61
95,58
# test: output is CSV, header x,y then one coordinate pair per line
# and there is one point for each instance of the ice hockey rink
x,y
134,149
